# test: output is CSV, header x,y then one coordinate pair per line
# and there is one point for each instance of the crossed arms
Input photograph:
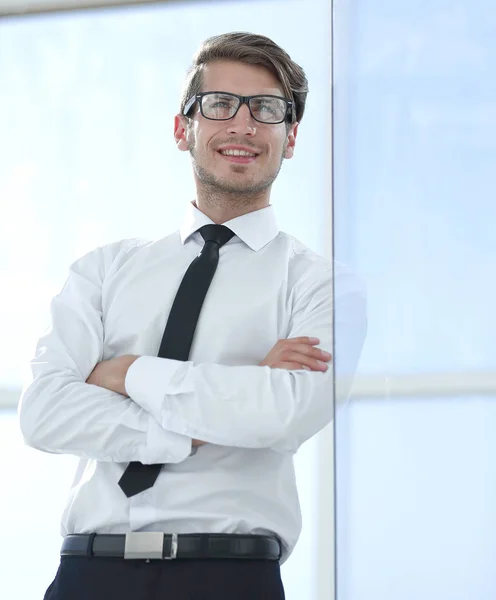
x,y
157,406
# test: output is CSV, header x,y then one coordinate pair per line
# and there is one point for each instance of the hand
x,y
297,353
111,374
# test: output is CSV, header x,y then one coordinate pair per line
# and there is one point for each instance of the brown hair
x,y
251,49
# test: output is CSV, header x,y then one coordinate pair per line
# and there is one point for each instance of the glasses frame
x,y
242,100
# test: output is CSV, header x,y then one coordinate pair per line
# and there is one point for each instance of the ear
x,y
291,140
180,133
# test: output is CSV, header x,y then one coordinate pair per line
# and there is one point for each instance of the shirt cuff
x,y
147,381
165,446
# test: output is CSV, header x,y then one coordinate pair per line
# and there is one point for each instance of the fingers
x,y
306,350
301,364
313,363
297,353
298,361
305,346
302,352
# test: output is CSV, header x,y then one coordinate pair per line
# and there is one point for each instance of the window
x,y
415,131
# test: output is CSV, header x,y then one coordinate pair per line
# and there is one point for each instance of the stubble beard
x,y
244,192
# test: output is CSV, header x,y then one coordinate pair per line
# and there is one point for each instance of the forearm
x,y
249,407
58,411
254,406
61,415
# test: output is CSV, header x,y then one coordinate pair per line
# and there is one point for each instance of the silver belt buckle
x,y
173,553
146,545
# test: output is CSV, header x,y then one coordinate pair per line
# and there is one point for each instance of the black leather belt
x,y
166,546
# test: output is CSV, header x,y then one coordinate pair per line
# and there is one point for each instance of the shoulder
x,y
102,259
309,271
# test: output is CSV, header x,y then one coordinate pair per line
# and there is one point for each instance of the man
x,y
185,487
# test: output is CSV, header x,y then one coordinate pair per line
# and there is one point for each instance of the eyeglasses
x,y
222,106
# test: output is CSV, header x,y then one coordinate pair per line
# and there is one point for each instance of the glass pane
x,y
416,512
87,157
415,149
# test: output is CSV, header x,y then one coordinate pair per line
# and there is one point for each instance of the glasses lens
x,y
219,106
268,109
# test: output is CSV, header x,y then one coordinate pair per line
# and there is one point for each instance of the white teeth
x,y
237,153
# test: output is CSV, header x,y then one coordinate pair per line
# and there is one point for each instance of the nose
x,y
242,123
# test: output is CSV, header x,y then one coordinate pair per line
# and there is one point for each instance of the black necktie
x,y
179,332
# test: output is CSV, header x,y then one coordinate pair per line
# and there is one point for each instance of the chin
x,y
238,188
237,183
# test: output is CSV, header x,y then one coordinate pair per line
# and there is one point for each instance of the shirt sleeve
x,y
62,414
253,406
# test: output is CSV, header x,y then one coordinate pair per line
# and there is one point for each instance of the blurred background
x,y
402,192
414,202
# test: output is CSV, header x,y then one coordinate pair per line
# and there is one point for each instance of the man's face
x,y
205,138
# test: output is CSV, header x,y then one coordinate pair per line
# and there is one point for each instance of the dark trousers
x,y
85,578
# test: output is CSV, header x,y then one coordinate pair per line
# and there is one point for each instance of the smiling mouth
x,y
238,156
245,153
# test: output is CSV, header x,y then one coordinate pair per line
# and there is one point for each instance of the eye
x,y
269,109
215,101
266,107
221,104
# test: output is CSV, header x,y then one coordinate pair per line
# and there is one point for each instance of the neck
x,y
222,206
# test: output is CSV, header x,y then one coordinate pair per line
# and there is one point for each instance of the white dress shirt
x,y
268,286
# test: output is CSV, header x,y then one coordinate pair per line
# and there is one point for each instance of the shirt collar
x,y
255,229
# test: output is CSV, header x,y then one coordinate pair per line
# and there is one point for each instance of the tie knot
x,y
216,233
